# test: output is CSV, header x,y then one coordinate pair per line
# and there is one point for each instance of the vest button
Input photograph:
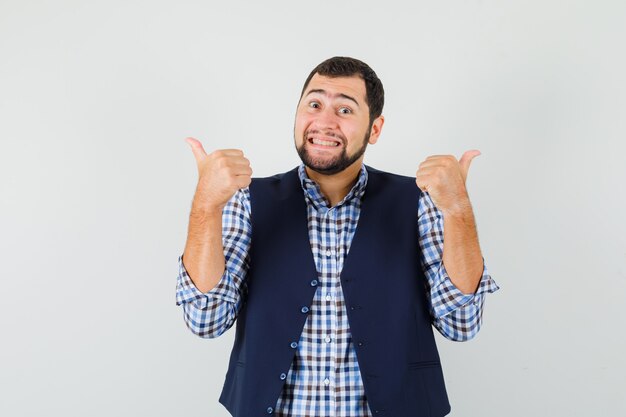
x,y
270,410
313,283
305,309
283,376
294,345
360,343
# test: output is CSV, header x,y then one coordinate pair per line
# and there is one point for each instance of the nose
x,y
326,119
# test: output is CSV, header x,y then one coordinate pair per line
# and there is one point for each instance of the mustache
x,y
329,134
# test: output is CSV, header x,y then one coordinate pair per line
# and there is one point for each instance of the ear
x,y
377,127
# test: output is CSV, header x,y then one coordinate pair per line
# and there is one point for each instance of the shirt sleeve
x,y
211,313
456,316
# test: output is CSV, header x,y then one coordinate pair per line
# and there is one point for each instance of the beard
x,y
334,165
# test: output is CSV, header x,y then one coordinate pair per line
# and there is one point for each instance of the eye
x,y
345,110
314,104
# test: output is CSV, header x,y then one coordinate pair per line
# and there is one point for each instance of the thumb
x,y
196,148
465,161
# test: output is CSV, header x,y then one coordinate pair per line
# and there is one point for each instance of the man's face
x,y
332,126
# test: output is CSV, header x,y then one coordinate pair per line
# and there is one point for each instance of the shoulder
x,y
275,187
276,178
390,178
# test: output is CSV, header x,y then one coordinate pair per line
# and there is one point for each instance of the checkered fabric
x,y
324,378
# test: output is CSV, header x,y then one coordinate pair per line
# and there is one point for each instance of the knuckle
x,y
230,183
223,162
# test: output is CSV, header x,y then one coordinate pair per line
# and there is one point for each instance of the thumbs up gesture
x,y
221,173
443,177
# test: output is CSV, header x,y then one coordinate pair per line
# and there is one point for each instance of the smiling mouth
x,y
325,143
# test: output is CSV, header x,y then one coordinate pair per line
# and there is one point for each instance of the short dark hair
x,y
343,66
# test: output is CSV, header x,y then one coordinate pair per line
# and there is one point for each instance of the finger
x,y
241,170
440,156
428,171
243,181
422,185
431,163
466,160
423,181
231,152
196,148
237,160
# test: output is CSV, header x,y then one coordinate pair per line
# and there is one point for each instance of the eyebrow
x,y
322,91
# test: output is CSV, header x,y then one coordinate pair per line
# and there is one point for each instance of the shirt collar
x,y
313,192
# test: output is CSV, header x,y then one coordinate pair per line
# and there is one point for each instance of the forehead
x,y
353,86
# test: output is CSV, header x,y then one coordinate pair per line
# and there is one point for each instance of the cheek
x,y
301,124
355,135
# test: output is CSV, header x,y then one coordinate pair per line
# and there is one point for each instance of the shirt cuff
x,y
448,297
187,292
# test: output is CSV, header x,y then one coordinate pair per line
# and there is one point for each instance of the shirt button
x,y
283,375
326,381
294,345
270,410
328,297
328,339
313,283
304,309
328,252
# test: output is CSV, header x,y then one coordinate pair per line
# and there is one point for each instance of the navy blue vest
x,y
383,286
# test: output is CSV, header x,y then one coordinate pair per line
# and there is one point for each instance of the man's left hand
x,y
443,177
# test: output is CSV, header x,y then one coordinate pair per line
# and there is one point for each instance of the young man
x,y
335,271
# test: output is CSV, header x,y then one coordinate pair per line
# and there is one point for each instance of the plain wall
x,y
96,184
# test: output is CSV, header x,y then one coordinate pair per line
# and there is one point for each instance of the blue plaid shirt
x,y
324,378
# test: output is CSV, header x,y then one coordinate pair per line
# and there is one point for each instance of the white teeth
x,y
324,142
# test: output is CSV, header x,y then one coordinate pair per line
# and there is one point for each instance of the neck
x,y
336,186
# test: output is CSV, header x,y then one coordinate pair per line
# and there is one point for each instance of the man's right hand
x,y
220,174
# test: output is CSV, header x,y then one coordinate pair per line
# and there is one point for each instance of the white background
x,y
96,183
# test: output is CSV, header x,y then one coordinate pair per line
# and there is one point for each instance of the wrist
x,y
206,211
462,212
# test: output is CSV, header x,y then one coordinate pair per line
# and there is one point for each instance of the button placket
x,y
333,264
329,229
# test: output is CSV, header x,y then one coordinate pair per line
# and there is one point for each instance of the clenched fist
x,y
220,174
443,177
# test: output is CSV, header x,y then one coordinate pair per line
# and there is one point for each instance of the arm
x,y
456,309
461,252
210,313
204,255
211,289
457,316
